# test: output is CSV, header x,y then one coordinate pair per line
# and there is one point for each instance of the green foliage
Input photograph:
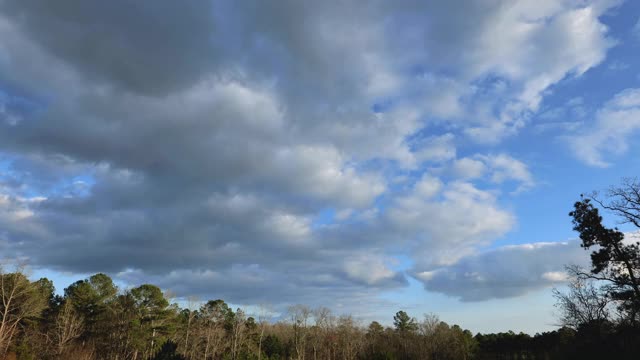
x,y
404,323
274,348
92,296
613,261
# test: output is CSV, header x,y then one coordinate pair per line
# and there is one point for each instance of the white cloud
x,y
444,228
555,276
504,167
569,41
467,168
369,268
498,168
612,131
428,186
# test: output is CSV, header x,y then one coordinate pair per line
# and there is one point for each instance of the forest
x,y
599,315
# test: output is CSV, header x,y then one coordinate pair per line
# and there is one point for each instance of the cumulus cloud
x,y
429,216
208,141
611,132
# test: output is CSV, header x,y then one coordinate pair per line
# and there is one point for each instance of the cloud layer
x,y
277,152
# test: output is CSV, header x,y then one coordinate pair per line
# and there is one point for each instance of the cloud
x,y
371,270
504,168
436,148
505,272
209,141
611,132
496,168
145,51
468,168
441,223
636,29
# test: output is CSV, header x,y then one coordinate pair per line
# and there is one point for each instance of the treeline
x,y
93,320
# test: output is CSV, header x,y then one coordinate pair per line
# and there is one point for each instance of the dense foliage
x,y
94,320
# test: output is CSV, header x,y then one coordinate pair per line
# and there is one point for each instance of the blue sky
x,y
408,155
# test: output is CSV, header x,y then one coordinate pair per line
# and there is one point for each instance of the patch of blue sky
x,y
324,218
382,106
61,280
31,186
489,83
19,101
5,163
401,262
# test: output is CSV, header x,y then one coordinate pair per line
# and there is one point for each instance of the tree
x,y
186,321
614,261
238,331
299,315
213,318
153,317
91,298
168,351
264,315
404,323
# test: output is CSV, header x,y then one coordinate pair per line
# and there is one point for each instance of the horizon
x,y
407,156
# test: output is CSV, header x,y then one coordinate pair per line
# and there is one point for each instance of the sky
x,y
368,157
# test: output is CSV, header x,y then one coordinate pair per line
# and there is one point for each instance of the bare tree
x,y
351,337
213,336
623,200
68,327
238,333
583,303
20,300
429,324
264,315
191,313
299,315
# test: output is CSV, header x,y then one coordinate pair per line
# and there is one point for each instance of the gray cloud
x,y
147,48
505,272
